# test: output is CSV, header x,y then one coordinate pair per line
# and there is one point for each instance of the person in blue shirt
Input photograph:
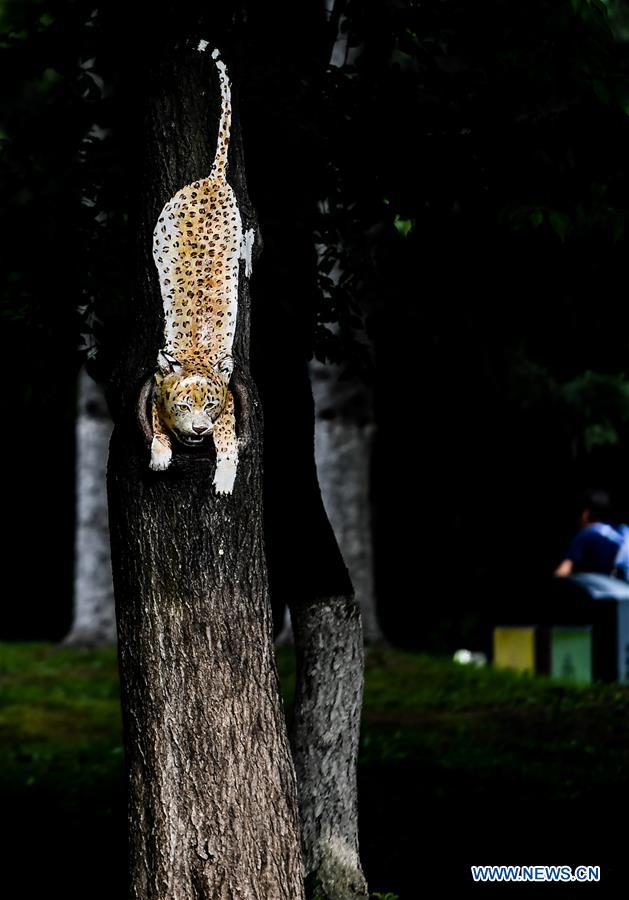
x,y
598,546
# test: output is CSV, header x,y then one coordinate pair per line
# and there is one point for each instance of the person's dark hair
x,y
597,502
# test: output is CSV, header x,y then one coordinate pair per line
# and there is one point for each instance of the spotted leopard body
x,y
197,247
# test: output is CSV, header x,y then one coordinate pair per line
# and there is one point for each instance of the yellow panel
x,y
514,648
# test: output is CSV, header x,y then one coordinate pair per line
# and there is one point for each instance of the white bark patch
x,y
202,45
246,250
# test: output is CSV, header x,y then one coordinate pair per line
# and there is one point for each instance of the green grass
x,y
441,741
60,741
484,722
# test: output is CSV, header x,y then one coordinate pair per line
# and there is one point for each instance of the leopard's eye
x,y
211,404
184,407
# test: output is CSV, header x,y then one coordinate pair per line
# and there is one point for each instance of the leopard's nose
x,y
199,429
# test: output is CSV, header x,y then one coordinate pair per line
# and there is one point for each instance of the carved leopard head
x,y
190,401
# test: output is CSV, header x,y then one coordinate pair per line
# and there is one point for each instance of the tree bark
x,y
212,793
344,436
325,741
344,433
94,620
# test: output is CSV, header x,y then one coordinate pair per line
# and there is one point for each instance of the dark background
x,y
475,161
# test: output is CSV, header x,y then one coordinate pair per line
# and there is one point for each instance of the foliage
x,y
598,404
618,12
459,125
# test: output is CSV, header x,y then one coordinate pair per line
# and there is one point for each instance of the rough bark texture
x,y
344,433
211,788
94,620
325,736
212,794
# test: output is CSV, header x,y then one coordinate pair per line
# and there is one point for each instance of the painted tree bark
x,y
94,620
212,793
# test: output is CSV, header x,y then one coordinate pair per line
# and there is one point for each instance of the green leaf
x,y
560,223
600,434
404,226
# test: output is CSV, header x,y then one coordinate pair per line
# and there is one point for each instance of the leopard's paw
x,y
224,477
161,455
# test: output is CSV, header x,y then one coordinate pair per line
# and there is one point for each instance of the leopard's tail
x,y
224,129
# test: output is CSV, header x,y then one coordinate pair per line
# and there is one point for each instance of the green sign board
x,y
571,653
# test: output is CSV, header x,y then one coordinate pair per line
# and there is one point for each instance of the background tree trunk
x,y
94,620
344,434
212,795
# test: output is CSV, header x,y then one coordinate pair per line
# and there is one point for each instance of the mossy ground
x,y
458,766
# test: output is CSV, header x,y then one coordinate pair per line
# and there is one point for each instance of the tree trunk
x,y
308,574
212,793
344,433
325,741
94,621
